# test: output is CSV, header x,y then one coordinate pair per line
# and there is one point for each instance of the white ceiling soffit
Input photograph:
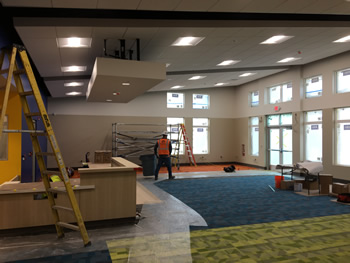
x,y
226,36
120,80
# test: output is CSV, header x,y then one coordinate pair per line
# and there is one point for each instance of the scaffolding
x,y
131,140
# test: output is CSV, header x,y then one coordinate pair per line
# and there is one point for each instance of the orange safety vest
x,y
163,147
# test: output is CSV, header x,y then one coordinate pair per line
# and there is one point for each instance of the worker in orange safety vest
x,y
162,150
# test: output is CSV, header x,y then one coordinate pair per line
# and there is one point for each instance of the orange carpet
x,y
203,168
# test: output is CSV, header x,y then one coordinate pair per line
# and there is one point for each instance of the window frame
x,y
306,123
281,92
305,87
208,135
251,142
183,100
251,99
336,80
193,98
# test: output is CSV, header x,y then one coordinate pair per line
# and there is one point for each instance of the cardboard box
x,y
325,181
287,185
103,156
339,188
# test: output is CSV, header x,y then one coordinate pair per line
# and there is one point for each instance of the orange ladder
x,y
187,145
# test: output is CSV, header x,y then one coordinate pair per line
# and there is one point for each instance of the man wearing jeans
x,y
162,150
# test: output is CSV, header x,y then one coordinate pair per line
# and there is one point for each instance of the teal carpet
x,y
235,201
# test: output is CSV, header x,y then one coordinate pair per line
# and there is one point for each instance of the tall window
x,y
200,135
280,93
174,133
200,101
343,81
4,143
313,87
254,98
254,136
313,136
342,151
175,100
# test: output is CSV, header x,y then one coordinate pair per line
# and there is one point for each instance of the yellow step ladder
x,y
14,71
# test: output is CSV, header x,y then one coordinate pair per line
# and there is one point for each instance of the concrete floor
x,y
168,222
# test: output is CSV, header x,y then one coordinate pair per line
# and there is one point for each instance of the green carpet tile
x,y
319,239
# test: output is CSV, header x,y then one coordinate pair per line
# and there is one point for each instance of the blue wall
x,y
9,36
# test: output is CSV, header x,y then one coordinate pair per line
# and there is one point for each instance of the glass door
x,y
280,140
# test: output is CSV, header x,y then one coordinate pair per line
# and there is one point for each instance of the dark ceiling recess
x,y
9,36
122,53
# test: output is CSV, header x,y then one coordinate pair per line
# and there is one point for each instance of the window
x,y
342,151
175,100
343,81
200,135
313,136
254,136
313,87
200,101
254,98
279,119
4,142
174,133
280,93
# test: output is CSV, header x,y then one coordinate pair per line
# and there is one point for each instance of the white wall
x,y
150,104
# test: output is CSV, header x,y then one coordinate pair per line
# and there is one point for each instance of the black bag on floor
x,y
230,169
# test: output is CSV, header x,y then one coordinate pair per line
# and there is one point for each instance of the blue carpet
x,y
234,201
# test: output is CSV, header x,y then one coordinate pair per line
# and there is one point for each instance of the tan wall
x,y
77,135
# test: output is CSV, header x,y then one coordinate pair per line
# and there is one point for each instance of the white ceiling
x,y
224,38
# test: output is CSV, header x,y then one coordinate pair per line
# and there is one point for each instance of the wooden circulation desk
x,y
104,191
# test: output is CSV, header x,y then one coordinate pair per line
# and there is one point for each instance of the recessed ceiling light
x,y
126,83
167,64
342,40
276,39
247,74
220,84
197,77
187,41
285,60
76,42
73,68
176,87
73,84
73,93
228,62
108,100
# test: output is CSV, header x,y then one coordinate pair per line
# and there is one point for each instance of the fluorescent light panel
x,y
285,60
342,40
276,39
247,74
73,68
74,42
196,77
73,93
187,41
73,84
220,84
228,62
176,87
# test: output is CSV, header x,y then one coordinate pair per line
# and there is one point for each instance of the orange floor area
x,y
203,168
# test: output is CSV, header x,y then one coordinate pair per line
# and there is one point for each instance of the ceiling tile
x,y
74,4
292,6
194,5
230,6
166,5
108,32
26,3
36,32
118,4
74,31
45,55
74,56
258,6
320,6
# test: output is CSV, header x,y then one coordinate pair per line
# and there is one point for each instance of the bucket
x,y
278,180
